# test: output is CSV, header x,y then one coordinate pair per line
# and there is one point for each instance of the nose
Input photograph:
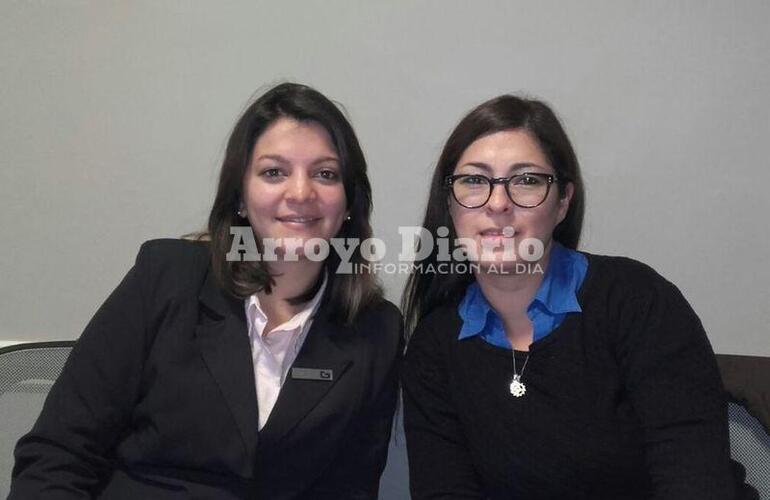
x,y
299,188
499,200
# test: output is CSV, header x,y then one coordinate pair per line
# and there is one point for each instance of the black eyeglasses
x,y
526,190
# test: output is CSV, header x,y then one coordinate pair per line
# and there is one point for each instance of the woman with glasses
x,y
210,375
544,372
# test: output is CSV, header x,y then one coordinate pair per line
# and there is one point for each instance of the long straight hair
x,y
425,291
348,294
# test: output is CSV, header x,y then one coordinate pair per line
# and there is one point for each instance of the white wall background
x,y
114,116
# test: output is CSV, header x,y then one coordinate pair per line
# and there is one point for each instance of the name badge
x,y
312,374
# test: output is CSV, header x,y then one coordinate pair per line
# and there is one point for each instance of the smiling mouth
x,y
298,219
504,232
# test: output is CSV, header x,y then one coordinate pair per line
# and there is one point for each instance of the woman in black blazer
x,y
159,398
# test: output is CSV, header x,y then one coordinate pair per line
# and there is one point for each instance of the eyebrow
x,y
325,159
283,160
512,168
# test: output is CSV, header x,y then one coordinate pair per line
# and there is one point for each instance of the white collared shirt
x,y
273,352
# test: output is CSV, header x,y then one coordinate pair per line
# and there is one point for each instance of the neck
x,y
510,295
291,279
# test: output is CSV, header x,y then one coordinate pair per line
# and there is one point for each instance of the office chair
x,y
27,372
747,381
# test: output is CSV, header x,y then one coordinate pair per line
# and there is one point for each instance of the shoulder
x,y
613,267
379,310
168,251
430,349
381,323
625,277
437,329
377,336
632,294
173,264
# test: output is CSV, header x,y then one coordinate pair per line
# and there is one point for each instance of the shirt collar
x,y
557,293
558,290
473,310
255,314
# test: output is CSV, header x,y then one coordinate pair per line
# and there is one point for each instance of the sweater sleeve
x,y
673,383
440,464
66,454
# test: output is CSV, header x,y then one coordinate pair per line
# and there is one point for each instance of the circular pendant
x,y
517,388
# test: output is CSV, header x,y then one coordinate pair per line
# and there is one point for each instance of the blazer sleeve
x,y
66,455
355,474
440,465
673,383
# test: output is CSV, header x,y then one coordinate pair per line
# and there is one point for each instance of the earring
x,y
241,213
348,217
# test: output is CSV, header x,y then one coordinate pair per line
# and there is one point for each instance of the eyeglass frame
x,y
449,181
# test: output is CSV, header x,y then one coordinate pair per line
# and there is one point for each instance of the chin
x,y
496,266
508,267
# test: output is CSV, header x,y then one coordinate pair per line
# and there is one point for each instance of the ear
x,y
564,202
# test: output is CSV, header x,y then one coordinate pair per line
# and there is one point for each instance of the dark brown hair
x,y
347,294
425,291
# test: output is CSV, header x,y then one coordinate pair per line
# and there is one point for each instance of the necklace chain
x,y
517,387
524,367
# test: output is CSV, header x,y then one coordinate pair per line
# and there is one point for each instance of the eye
x,y
528,180
271,172
328,174
473,180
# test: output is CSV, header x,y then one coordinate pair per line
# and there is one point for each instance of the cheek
x,y
259,205
542,224
256,193
335,202
461,220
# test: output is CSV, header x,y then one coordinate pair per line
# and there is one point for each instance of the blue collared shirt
x,y
555,298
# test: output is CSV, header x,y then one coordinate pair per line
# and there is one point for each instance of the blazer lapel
x,y
322,350
222,338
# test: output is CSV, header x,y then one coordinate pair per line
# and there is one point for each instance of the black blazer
x,y
158,399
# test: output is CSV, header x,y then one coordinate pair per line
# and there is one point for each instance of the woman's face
x,y
503,154
293,186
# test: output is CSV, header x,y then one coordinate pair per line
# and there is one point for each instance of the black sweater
x,y
623,401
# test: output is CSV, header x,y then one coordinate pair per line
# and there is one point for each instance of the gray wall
x,y
115,114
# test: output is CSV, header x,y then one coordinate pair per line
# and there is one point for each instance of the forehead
x,y
503,149
291,138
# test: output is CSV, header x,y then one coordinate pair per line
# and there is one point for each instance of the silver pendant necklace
x,y
518,389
